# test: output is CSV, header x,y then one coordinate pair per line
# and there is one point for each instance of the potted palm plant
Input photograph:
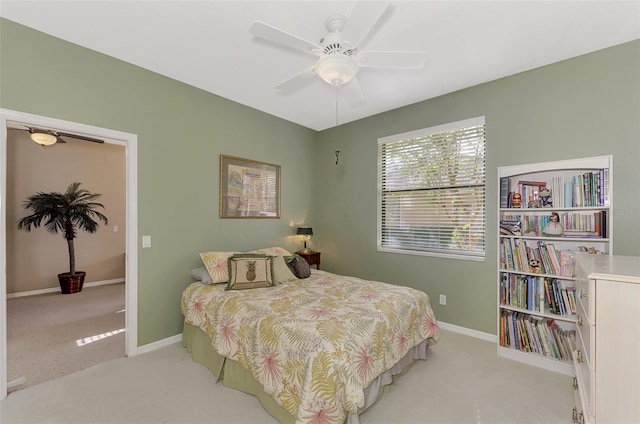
x,y
65,213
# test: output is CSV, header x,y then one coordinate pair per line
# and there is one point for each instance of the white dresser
x,y
607,355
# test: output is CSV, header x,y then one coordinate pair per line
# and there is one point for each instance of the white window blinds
x,y
431,191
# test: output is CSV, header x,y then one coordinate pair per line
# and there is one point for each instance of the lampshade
x,y
43,139
305,231
337,69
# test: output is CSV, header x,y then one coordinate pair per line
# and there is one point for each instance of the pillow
x,y
299,266
281,272
216,263
247,271
201,274
271,251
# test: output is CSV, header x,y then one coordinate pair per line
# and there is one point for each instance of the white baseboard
x,y
57,289
159,344
468,332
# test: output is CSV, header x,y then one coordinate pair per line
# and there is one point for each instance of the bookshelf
x,y
547,212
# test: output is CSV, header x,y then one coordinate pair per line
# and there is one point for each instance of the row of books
x,y
574,224
590,225
535,257
587,189
537,294
537,335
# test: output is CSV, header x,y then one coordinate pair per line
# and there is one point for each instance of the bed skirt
x,y
233,375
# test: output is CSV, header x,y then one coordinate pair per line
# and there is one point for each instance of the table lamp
x,y
306,233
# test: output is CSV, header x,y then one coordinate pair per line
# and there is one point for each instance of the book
x,y
568,194
505,190
533,339
557,287
543,342
549,297
553,256
567,302
526,342
567,264
544,255
510,228
571,293
513,332
581,234
541,293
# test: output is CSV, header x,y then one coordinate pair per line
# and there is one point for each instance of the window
x,y
431,191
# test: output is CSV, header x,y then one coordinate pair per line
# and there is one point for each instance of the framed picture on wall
x,y
248,188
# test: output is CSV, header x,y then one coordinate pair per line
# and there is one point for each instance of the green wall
x,y
582,107
181,133
586,106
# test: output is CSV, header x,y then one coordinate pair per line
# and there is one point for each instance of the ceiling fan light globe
x,y
43,139
337,69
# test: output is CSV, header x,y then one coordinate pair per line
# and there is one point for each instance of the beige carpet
x,y
52,335
462,381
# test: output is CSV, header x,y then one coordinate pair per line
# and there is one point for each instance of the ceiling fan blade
x,y
362,20
298,81
79,137
397,59
352,91
276,35
37,130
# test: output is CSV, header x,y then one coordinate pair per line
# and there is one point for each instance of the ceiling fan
x,y
339,54
48,137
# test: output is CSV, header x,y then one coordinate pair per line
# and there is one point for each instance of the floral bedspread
x,y
313,344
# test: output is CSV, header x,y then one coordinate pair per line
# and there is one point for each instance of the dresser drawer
x,y
583,392
578,415
585,333
583,345
585,296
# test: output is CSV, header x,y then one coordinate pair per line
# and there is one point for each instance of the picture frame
x,y
249,188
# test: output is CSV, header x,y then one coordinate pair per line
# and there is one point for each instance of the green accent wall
x,y
582,107
585,106
181,133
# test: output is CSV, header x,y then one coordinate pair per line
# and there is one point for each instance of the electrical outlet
x,y
443,299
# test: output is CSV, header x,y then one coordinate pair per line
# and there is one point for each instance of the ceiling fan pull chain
x,y
337,151
337,87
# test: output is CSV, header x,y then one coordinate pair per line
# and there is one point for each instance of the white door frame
x,y
130,142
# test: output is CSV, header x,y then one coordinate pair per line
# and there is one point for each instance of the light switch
x,y
115,228
146,241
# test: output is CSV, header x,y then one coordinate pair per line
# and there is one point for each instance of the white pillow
x,y
281,272
272,251
201,274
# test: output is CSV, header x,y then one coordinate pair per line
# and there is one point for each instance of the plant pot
x,y
71,283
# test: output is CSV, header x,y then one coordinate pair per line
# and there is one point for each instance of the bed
x,y
314,350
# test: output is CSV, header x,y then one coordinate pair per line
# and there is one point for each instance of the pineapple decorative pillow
x,y
247,271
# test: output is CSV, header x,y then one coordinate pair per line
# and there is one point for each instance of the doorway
x,y
11,119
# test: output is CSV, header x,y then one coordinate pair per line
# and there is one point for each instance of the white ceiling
x,y
207,44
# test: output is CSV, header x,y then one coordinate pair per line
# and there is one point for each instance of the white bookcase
x,y
536,259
